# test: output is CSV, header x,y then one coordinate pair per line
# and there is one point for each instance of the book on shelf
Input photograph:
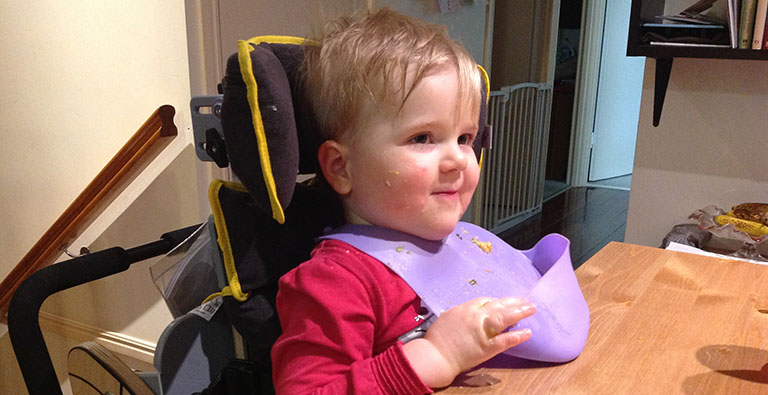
x,y
685,33
704,23
734,16
705,12
738,24
758,32
765,35
691,45
747,23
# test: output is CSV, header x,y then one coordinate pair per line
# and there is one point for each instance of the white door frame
x,y
593,17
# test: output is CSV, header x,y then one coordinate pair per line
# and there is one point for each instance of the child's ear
x,y
333,162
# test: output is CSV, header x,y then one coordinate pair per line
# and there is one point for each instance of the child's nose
x,y
454,158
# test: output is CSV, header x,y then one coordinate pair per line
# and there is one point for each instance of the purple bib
x,y
471,263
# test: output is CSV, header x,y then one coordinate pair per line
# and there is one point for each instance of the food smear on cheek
x,y
387,182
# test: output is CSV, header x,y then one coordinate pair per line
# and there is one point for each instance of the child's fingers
x,y
509,339
503,313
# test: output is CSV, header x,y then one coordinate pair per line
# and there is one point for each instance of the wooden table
x,y
662,322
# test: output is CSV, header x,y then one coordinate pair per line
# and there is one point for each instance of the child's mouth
x,y
447,194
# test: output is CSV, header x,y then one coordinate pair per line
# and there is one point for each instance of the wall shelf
x,y
645,11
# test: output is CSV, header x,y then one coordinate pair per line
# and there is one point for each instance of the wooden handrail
x,y
142,147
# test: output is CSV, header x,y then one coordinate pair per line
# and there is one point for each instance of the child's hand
x,y
466,336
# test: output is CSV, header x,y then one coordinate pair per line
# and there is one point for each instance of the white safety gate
x,y
511,187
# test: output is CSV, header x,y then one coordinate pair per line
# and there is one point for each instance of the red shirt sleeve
x,y
341,313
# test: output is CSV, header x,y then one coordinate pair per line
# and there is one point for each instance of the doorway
x,y
596,100
563,98
617,108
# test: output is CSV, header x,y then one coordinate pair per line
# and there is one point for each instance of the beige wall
x,y
306,18
79,78
512,37
524,42
169,203
243,19
709,146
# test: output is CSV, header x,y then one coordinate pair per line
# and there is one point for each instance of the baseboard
x,y
115,342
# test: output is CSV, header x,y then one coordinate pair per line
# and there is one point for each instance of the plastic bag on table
x,y
749,244
687,234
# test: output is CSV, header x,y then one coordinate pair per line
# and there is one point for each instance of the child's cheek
x,y
416,171
403,186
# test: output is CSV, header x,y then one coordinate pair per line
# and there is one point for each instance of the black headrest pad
x,y
276,111
290,131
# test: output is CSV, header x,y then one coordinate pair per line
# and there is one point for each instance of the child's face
x,y
415,171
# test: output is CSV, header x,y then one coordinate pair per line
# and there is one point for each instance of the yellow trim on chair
x,y
226,291
487,82
281,40
234,287
244,49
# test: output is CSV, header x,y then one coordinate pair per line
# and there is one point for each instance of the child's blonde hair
x,y
378,59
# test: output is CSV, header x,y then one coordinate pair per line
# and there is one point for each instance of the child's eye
x,y
421,139
466,139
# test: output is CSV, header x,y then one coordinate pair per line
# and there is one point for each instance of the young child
x,y
398,102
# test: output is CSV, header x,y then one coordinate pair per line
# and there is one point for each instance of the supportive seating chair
x,y
261,227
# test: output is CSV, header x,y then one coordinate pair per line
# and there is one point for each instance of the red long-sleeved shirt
x,y
341,313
